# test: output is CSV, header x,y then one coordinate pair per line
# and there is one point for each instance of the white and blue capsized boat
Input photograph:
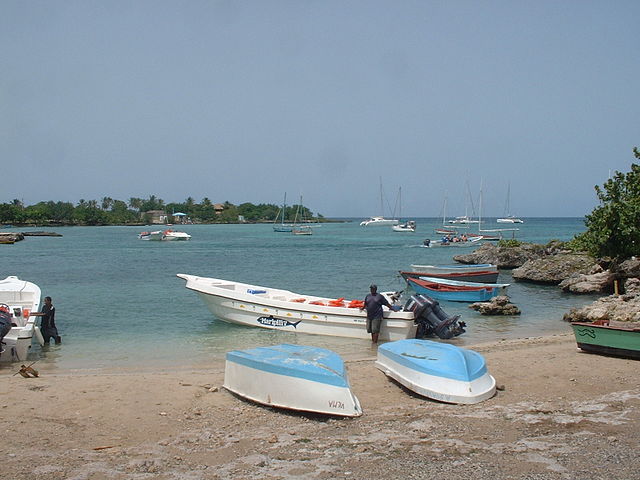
x,y
296,377
439,371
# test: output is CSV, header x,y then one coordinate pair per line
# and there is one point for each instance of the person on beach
x,y
48,325
373,303
5,322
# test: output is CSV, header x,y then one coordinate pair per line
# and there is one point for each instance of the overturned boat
x,y
439,371
276,309
295,377
18,299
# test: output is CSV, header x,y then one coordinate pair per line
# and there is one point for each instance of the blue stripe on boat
x,y
310,363
438,359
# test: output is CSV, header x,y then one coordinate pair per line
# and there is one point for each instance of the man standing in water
x,y
373,303
48,325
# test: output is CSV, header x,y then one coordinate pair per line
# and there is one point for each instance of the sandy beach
x,y
559,414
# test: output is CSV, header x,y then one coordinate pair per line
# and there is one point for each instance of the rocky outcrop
x,y
614,308
553,269
598,280
10,237
502,257
628,269
499,305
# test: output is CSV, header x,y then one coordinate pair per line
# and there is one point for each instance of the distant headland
x,y
152,210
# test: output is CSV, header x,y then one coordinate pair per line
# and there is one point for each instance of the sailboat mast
x,y
381,200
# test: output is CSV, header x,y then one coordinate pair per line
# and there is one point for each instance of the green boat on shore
x,y
600,337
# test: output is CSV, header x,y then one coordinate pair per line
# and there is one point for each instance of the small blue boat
x,y
454,291
439,371
296,377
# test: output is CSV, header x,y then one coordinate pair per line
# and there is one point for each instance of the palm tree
x,y
107,202
135,203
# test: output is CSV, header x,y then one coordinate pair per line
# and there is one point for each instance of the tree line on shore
x,y
109,211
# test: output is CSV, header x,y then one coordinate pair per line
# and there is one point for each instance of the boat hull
x,y
476,277
21,297
457,268
467,293
294,377
255,306
607,340
438,371
379,222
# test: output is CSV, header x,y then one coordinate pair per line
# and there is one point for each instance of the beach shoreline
x,y
560,413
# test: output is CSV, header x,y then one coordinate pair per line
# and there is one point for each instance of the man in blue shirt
x,y
373,303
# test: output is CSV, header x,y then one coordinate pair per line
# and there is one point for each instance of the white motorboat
x,y
379,222
164,235
172,236
295,377
155,235
510,219
459,242
464,219
440,371
409,226
271,308
20,298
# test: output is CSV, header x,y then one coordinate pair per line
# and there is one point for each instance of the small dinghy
x,y
436,370
296,377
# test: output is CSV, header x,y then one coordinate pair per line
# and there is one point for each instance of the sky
x,y
244,101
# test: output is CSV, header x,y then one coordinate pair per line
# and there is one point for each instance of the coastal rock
x,y
593,283
502,257
553,269
613,308
10,237
628,269
500,305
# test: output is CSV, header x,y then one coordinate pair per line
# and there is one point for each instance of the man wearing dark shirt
x,y
373,303
48,325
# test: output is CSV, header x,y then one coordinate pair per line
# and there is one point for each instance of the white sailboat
x,y
491,234
465,219
281,226
300,228
409,225
379,221
508,218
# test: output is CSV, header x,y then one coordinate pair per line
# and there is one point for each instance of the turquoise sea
x,y
120,304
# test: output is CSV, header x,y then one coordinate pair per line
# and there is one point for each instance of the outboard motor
x,y
431,319
5,323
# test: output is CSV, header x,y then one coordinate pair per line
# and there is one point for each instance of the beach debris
x,y
105,447
27,371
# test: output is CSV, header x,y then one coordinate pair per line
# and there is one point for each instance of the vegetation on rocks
x,y
613,228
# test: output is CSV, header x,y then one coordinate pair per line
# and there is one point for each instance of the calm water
x,y
119,302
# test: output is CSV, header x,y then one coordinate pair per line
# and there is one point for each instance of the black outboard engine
x,y
431,319
5,322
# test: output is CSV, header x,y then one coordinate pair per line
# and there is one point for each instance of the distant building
x,y
157,216
219,208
